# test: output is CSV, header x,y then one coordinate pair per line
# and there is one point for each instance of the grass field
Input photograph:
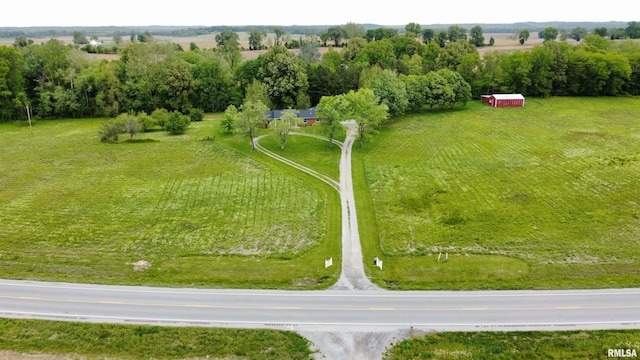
x,y
544,196
70,340
516,345
208,213
310,152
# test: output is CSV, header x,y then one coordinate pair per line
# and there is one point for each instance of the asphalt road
x,y
332,310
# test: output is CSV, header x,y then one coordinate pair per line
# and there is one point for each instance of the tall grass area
x,y
545,196
515,345
203,213
111,341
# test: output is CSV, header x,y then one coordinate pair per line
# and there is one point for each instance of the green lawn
x,y
206,213
516,345
544,196
310,152
110,341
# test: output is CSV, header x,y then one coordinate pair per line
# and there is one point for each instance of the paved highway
x,y
332,310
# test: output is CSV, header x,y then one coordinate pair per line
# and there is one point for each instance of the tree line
x,y
407,72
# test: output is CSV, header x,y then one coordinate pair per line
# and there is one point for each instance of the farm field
x,y
544,196
199,213
504,42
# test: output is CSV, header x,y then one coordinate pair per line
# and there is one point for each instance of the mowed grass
x,y
72,340
515,345
545,196
205,213
307,151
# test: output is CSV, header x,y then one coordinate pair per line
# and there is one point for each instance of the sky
x,y
324,12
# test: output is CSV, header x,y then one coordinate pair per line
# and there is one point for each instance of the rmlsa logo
x,y
623,353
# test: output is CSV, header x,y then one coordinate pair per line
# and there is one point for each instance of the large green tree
x,y
280,33
175,85
409,46
437,91
323,81
255,39
633,29
12,95
413,28
214,87
229,46
391,91
144,73
461,89
332,110
46,73
428,35
354,47
516,70
365,109
251,119
283,126
476,36
452,55
455,33
549,34
353,30
228,122
578,33
380,53
415,88
284,76
336,33
79,38
523,36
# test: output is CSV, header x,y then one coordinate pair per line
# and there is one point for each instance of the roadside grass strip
x,y
40,338
594,344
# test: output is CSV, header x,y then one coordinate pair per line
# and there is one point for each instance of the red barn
x,y
504,100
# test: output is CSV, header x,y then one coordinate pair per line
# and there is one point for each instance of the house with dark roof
x,y
308,116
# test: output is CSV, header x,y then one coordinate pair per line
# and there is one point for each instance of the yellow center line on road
x,y
310,308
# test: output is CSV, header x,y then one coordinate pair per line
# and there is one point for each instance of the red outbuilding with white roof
x,y
504,100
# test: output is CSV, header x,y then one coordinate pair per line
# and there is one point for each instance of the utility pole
x,y
29,117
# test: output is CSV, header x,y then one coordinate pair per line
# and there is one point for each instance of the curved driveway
x,y
352,276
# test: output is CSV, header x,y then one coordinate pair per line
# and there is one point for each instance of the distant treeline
x,y
406,71
184,31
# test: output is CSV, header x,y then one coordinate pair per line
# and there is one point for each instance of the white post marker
x,y
328,263
379,264
439,256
